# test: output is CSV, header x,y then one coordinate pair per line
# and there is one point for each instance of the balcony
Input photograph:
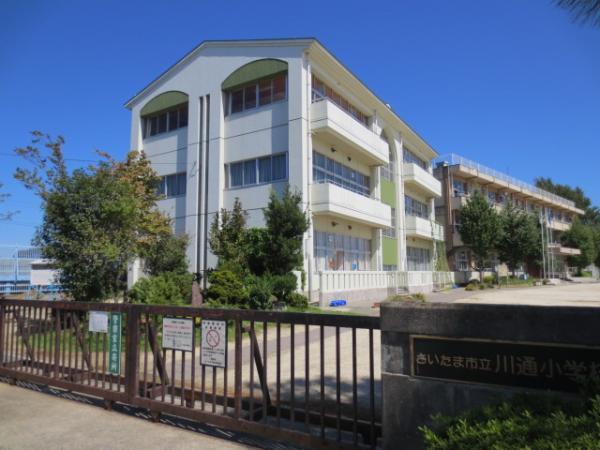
x,y
423,228
559,225
421,180
338,127
565,251
336,201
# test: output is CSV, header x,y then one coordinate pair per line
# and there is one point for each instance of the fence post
x,y
132,352
2,320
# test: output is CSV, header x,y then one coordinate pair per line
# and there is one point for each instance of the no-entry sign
x,y
214,343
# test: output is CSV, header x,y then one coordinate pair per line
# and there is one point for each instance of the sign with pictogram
x,y
214,343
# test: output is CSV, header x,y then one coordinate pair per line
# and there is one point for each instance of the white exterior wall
x,y
278,127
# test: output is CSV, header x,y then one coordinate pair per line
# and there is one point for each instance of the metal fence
x,y
311,379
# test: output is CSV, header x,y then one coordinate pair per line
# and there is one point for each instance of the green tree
x,y
227,238
7,215
520,237
583,237
575,194
96,220
480,229
167,254
286,224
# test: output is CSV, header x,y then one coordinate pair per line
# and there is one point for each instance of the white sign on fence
x,y
98,321
214,343
178,334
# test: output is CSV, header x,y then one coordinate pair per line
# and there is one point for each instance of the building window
x,y
388,170
341,252
172,185
416,208
327,170
165,121
257,171
321,91
459,188
462,261
410,157
391,232
258,93
418,258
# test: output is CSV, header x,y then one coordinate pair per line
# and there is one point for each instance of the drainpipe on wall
x,y
309,176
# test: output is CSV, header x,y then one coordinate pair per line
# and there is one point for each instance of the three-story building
x,y
460,177
236,119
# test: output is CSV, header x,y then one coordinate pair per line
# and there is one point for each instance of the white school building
x,y
235,119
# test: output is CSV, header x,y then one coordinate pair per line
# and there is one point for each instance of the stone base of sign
x,y
409,401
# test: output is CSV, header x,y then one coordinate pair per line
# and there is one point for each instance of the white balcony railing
x,y
453,159
423,228
330,199
328,118
349,280
414,175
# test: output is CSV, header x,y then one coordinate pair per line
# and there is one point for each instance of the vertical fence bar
x,y
238,368
354,390
97,348
192,401
214,389
104,338
46,327
372,387
266,399
306,375
183,375
251,366
292,375
68,336
337,384
57,344
322,355
172,376
132,353
2,320
278,394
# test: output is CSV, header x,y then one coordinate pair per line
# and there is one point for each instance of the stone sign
x,y
530,365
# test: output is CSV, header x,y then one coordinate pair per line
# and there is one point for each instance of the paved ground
x,y
582,292
572,294
32,420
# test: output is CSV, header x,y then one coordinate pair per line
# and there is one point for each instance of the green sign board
x,y
114,348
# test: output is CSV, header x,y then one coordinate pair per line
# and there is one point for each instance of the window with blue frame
x,y
255,171
327,170
173,185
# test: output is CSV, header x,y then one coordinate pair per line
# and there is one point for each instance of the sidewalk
x,y
32,420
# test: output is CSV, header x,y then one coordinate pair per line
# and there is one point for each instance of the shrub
x,y
489,279
419,296
525,421
283,286
260,292
226,288
298,300
168,288
471,287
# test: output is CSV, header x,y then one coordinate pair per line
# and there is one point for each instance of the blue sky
x,y
514,85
